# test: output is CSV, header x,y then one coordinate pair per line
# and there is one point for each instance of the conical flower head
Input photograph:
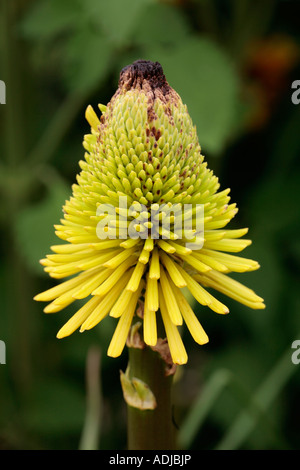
x,y
146,222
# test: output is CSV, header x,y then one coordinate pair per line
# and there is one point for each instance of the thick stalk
x,y
151,429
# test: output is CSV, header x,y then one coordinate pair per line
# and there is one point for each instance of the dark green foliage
x,y
57,56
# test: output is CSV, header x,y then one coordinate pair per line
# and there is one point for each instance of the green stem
x,y
151,429
91,429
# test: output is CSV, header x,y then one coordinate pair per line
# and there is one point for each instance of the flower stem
x,y
151,429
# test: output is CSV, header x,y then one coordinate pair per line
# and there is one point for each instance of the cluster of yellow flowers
x,y
145,148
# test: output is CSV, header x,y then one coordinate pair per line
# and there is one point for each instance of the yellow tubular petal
x,y
82,238
119,258
211,262
215,224
60,289
123,301
69,257
213,234
177,349
62,301
64,236
149,325
115,276
69,248
233,263
89,286
235,286
195,262
105,305
231,245
79,317
105,244
149,244
174,273
232,288
217,306
92,118
144,256
98,260
152,294
102,107
54,307
134,281
130,243
236,233
67,269
47,262
154,271
235,296
200,294
121,332
66,298
170,299
203,297
62,272
121,304
180,249
167,247
190,318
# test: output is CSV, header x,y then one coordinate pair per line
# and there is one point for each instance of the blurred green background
x,y
233,63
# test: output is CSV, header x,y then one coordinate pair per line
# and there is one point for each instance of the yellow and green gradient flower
x,y
144,150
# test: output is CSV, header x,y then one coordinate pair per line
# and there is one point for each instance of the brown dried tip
x,y
144,73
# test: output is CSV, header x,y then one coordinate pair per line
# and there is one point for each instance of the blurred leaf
x,y
87,59
34,226
287,143
206,80
243,362
161,24
56,408
254,406
117,17
85,53
268,282
274,206
202,406
274,200
50,17
266,393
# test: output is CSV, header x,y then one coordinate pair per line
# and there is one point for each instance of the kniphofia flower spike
x,y
144,153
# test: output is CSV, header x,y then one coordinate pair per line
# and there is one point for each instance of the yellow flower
x,y
145,221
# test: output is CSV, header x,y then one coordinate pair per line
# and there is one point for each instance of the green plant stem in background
x,y
57,129
266,393
92,424
151,429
